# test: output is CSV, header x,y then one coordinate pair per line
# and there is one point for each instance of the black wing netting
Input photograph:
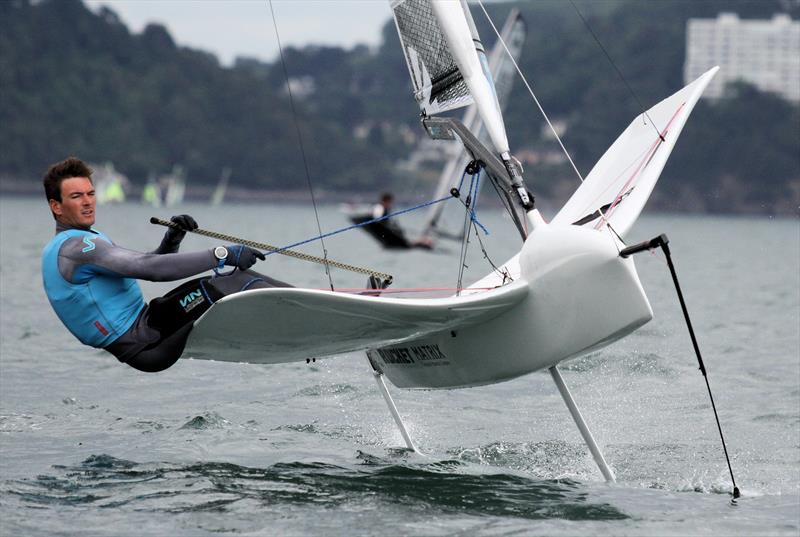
x,y
438,84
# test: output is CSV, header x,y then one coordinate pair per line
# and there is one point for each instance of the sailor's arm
x,y
80,258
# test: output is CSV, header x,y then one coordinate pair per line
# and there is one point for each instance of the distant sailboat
x,y
175,185
109,184
151,193
219,193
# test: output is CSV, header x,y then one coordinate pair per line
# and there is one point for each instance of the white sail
x,y
622,180
222,187
175,186
478,44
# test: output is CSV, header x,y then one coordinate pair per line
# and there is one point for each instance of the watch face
x,y
220,252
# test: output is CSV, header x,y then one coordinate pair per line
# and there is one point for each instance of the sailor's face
x,y
76,208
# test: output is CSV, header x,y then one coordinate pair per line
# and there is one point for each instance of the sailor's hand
x,y
185,223
242,257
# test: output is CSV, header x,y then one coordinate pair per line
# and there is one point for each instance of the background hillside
x,y
77,82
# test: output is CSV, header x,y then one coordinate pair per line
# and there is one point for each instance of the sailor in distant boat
x,y
91,282
387,231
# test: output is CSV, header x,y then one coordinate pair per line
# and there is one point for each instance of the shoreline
x,y
660,203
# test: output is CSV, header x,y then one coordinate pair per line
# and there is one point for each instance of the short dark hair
x,y
386,197
66,169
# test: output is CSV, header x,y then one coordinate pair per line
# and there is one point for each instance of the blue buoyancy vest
x,y
97,311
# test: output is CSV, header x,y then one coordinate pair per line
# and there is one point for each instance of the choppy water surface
x,y
92,447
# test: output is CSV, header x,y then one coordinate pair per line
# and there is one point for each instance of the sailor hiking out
x,y
91,282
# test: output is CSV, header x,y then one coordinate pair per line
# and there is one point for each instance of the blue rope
x,y
473,218
473,192
362,224
461,182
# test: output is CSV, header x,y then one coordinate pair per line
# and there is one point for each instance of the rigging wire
x,y
504,272
302,148
530,90
362,224
462,258
471,222
507,206
617,69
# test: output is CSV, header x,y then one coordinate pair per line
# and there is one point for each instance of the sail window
x,y
438,84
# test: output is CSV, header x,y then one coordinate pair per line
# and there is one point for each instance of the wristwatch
x,y
221,253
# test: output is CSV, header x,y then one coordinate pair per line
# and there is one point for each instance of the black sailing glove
x,y
242,257
186,223
174,236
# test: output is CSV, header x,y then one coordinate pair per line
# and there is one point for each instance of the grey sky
x,y
231,28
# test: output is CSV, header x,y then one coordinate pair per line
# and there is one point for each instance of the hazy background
x,y
244,27
155,87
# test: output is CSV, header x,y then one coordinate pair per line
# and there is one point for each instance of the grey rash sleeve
x,y
77,261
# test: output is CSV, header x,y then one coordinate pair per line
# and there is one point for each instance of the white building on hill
x,y
765,53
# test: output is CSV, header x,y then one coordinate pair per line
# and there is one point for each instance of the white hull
x,y
582,296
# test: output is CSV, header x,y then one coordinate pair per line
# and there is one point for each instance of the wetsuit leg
x,y
162,354
173,315
158,337
243,280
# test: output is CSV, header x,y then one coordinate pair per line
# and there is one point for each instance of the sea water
x,y
89,446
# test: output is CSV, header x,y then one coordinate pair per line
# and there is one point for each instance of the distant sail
x,y
219,193
175,186
114,192
109,184
151,194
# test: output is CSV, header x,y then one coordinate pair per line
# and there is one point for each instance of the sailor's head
x,y
70,193
387,199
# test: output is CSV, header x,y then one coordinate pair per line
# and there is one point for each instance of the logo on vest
x,y
89,244
192,300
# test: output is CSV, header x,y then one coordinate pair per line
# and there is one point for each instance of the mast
x,y
443,54
453,23
501,71
479,50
